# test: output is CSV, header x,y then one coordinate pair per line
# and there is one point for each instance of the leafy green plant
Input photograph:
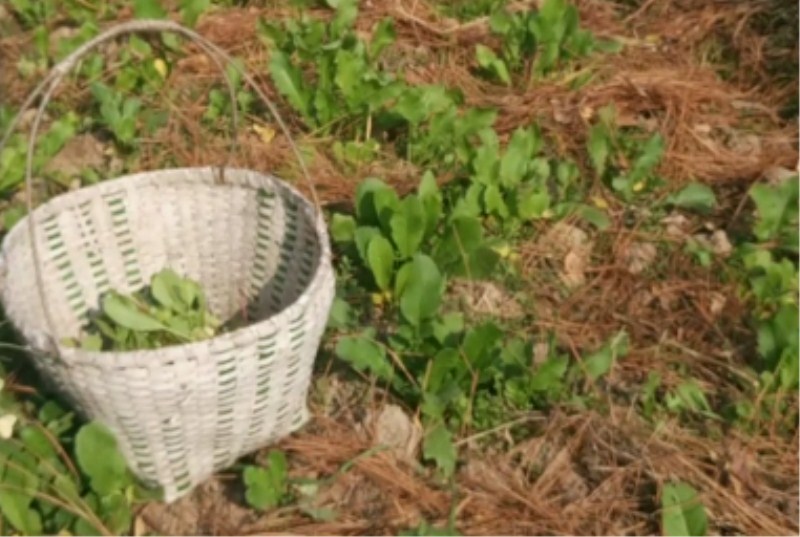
x,y
625,161
695,197
118,114
57,477
49,143
266,486
777,211
600,362
330,76
171,311
402,251
439,132
538,42
518,184
772,281
34,13
219,102
682,513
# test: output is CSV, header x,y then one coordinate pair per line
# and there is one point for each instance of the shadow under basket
x,y
183,412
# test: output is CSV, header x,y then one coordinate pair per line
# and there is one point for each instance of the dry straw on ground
x,y
585,473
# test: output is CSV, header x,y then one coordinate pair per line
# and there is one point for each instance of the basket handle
x,y
47,87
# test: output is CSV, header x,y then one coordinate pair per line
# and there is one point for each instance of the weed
x,y
538,42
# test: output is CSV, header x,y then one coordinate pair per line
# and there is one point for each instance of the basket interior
x,y
250,241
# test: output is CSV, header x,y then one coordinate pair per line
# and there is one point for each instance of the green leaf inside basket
x,y
172,310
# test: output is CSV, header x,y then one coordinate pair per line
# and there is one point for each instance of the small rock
x,y
638,256
541,352
718,301
748,144
720,244
575,263
572,245
676,225
393,428
487,298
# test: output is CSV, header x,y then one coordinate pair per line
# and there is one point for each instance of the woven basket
x,y
179,413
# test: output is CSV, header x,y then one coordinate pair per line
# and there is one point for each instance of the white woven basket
x,y
180,413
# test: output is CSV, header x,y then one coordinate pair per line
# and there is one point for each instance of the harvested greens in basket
x,y
171,311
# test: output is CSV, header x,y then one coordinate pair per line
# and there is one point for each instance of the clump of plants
x,y
172,310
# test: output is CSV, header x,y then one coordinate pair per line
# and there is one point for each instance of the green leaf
x,y
517,156
431,198
116,513
289,82
445,362
494,202
363,236
480,344
346,13
363,354
37,442
485,56
597,217
125,312
485,164
343,228
682,511
447,326
341,314
367,210
777,209
148,9
383,36
408,226
98,457
85,527
600,362
350,68
15,507
386,204
422,293
438,447
696,197
599,147
164,286
688,396
489,61
380,257
266,487
192,9
462,251
532,203
501,22
547,377
650,156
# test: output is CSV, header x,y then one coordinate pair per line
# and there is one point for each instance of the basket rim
x,y
322,272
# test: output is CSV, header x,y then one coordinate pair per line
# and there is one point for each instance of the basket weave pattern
x,y
254,244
